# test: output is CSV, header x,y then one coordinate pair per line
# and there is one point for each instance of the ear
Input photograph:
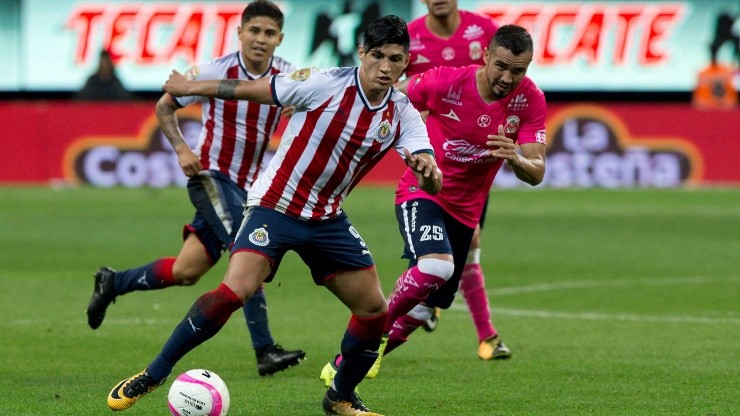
x,y
280,40
361,51
485,56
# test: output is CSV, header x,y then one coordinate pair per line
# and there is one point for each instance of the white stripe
x,y
407,227
588,284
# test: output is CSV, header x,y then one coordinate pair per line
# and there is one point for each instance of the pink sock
x,y
473,288
411,288
400,331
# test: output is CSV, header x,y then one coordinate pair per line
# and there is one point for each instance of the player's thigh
x,y
360,291
246,272
334,246
421,223
220,201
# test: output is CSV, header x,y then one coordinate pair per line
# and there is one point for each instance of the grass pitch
x,y
613,303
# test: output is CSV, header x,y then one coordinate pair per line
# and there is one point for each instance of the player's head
x,y
441,9
384,52
507,59
260,33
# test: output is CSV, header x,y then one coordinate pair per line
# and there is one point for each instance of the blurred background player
x,y
448,36
230,149
437,229
346,120
103,84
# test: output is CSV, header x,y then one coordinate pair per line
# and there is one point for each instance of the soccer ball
x,y
198,393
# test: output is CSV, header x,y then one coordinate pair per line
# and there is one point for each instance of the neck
x,y
374,95
255,67
443,26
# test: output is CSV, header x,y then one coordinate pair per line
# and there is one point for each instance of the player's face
x,y
441,8
504,70
382,66
259,37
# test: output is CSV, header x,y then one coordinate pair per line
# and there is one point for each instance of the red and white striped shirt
x,y
332,141
235,134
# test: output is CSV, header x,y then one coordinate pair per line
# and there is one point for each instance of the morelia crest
x,y
384,131
259,237
512,124
192,72
301,74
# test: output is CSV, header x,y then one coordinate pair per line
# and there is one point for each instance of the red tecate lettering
x,y
82,22
656,31
158,18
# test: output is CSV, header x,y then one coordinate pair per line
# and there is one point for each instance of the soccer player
x,y
346,119
232,142
448,36
477,117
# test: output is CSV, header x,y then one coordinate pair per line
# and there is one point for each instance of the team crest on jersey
x,y
475,51
484,120
448,54
259,237
301,74
540,136
512,124
192,72
384,131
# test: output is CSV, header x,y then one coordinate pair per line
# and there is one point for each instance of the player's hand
x,y
426,170
288,111
502,146
189,162
177,84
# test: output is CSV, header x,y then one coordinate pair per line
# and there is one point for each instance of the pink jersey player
x,y
464,47
458,124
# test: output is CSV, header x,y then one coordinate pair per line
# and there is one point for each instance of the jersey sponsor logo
x,y
460,150
472,32
453,97
301,74
259,237
192,72
448,54
384,131
518,103
512,124
541,136
484,120
451,115
475,50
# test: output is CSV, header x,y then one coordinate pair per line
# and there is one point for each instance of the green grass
x,y
613,302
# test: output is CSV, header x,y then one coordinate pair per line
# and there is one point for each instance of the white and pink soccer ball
x,y
198,393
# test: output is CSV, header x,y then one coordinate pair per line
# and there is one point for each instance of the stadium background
x,y
618,76
614,301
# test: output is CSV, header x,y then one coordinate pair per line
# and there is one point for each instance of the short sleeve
x,y
421,90
301,88
203,72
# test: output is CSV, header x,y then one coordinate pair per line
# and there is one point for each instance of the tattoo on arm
x,y
227,89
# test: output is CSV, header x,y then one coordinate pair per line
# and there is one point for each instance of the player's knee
x,y
436,267
186,276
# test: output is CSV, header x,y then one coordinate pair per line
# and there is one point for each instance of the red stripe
x,y
206,148
353,146
251,125
270,125
228,122
323,154
280,181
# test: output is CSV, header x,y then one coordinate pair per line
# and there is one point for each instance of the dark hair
x,y
514,38
386,30
264,8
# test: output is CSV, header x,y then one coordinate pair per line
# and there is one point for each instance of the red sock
x,y
400,331
163,276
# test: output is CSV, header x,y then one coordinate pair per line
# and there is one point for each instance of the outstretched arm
x,y
226,89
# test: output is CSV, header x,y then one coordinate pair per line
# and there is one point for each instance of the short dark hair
x,y
264,8
385,30
514,38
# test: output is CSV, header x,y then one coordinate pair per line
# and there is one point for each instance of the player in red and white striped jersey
x,y
346,119
225,163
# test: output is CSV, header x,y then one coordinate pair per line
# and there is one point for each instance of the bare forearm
x,y
167,118
234,89
529,170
